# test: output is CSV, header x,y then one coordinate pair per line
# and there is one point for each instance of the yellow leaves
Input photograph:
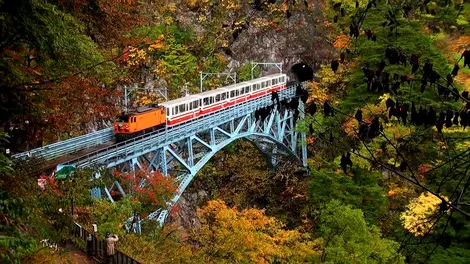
x,y
168,20
225,43
202,18
136,56
247,236
417,219
318,94
171,7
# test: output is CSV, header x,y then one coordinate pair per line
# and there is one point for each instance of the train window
x,y
237,93
232,94
268,83
175,110
206,101
182,108
241,91
122,118
211,99
247,89
168,111
274,81
223,96
217,98
194,104
263,84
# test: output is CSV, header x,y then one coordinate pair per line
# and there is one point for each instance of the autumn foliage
x,y
229,235
419,218
148,187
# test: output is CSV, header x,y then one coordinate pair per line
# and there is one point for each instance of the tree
x,y
228,235
348,239
150,188
360,191
418,218
46,57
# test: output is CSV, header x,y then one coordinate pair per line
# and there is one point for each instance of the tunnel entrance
x,y
302,72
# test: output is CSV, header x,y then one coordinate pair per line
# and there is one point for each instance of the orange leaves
x,y
158,44
342,42
228,235
458,45
311,140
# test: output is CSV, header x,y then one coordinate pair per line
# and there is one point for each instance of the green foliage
x,y
57,38
348,239
359,191
111,216
14,243
244,72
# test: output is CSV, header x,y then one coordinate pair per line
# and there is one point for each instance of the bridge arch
x,y
273,136
184,149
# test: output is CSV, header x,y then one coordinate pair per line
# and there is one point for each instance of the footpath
x,y
73,254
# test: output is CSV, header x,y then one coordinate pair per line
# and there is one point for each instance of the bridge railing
x,y
96,247
130,147
69,146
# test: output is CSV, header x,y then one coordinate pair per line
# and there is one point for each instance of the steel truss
x,y
183,151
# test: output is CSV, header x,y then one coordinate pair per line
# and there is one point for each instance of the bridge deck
x,y
51,164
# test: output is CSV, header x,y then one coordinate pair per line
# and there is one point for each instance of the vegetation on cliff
x,y
388,144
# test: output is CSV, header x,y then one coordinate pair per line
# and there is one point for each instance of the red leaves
x,y
156,190
424,168
47,183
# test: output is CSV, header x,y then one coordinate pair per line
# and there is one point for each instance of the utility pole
x,y
185,91
203,75
254,64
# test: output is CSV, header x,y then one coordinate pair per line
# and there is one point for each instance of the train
x,y
185,109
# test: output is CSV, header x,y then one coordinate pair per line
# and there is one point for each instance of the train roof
x,y
178,101
194,97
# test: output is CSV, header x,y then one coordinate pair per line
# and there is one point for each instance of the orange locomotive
x,y
141,121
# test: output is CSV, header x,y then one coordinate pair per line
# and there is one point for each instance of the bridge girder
x,y
183,151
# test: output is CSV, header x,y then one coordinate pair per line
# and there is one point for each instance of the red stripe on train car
x,y
187,117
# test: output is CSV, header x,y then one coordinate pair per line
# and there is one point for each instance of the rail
x,y
152,140
69,146
96,247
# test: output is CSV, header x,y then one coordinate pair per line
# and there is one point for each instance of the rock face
x,y
302,38
187,206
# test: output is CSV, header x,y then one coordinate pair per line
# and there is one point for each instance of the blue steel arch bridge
x,y
184,149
